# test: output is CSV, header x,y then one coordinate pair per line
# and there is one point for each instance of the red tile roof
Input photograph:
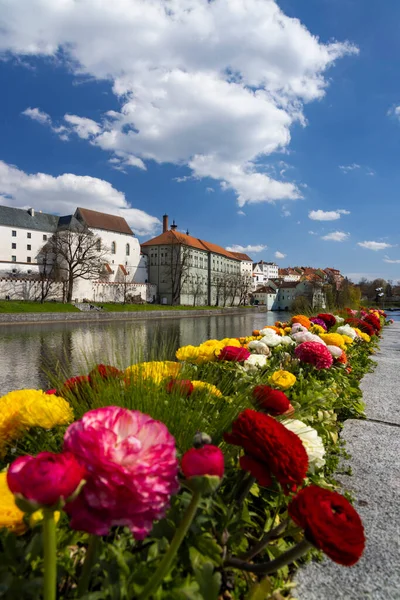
x,y
241,256
168,238
99,220
124,271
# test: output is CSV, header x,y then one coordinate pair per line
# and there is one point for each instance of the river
x,y
28,353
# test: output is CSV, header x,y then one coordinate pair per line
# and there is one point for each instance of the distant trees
x,y
176,267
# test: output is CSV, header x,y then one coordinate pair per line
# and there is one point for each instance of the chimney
x,y
174,226
165,223
31,211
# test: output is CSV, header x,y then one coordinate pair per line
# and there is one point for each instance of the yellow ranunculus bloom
x,y
200,386
188,353
347,339
317,329
365,336
155,370
333,339
11,516
283,379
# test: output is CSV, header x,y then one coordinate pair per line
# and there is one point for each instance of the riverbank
x,y
99,316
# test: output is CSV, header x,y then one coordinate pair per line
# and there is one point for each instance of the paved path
x,y
374,446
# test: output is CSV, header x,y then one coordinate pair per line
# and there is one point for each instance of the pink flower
x,y
198,462
315,354
46,479
233,353
184,387
132,470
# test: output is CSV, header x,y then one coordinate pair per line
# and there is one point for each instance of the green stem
x,y
164,566
50,555
272,566
270,535
245,488
90,559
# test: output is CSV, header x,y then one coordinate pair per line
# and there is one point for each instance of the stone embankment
x,y
374,446
96,316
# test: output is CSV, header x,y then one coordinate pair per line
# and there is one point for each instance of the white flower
x,y
271,339
306,336
286,340
311,441
339,320
255,362
296,327
335,351
259,347
347,330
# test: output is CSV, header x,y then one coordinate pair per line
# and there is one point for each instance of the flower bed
x,y
207,477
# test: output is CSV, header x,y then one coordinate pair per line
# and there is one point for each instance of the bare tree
x,y
77,254
177,266
245,288
196,288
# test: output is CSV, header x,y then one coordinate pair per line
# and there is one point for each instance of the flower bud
x,y
45,481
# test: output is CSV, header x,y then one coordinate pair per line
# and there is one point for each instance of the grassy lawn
x,y
22,306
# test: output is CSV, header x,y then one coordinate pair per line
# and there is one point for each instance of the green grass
x,y
22,306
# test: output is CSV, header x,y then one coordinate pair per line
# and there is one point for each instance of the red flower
x,y
76,385
184,387
328,319
51,392
362,325
330,523
198,462
45,479
315,354
270,450
273,402
233,353
373,321
106,372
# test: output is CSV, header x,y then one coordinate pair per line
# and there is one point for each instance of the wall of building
x,y
28,243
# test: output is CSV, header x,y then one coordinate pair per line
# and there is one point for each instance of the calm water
x,y
29,352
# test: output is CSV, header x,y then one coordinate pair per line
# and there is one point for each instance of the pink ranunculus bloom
x,y
45,480
314,354
198,462
232,353
132,470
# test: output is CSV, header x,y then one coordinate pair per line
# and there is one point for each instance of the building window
x,y
28,247
14,258
113,247
44,237
14,233
28,235
128,250
14,246
28,259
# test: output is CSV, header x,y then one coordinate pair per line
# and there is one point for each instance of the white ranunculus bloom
x,y
306,336
286,340
255,362
259,347
335,351
339,320
311,442
347,330
271,340
298,327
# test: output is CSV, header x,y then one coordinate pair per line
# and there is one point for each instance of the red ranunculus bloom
x,y
362,325
77,385
106,372
198,462
51,392
328,319
269,450
45,479
273,402
234,354
330,523
184,387
315,354
373,321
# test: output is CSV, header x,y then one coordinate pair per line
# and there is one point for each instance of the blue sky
x,y
270,126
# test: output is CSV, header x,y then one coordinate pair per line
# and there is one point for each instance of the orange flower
x,y
342,358
256,332
303,320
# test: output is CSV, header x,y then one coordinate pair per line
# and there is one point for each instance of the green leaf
x,y
207,546
209,582
261,591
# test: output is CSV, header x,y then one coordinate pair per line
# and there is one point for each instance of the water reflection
x,y
28,353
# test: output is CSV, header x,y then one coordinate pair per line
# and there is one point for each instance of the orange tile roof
x,y
124,271
99,220
173,237
241,256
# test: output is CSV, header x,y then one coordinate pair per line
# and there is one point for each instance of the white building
x,y
265,296
262,272
23,233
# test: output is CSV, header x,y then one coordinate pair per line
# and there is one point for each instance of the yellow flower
x,y
155,370
365,336
317,329
200,386
11,516
333,339
37,517
188,353
347,339
230,342
283,379
287,329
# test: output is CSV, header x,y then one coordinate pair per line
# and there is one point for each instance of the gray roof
x,y
20,217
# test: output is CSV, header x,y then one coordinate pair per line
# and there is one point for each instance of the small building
x,y
265,296
264,271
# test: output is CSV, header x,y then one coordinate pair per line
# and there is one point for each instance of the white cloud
x,y
336,236
209,190
213,85
285,212
279,254
37,115
83,127
313,232
250,248
347,168
391,261
374,245
241,213
328,215
394,111
66,192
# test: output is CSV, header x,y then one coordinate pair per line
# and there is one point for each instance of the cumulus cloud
x,y
250,248
279,254
347,168
391,261
68,191
213,85
241,213
375,245
327,215
336,236
37,115
83,127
